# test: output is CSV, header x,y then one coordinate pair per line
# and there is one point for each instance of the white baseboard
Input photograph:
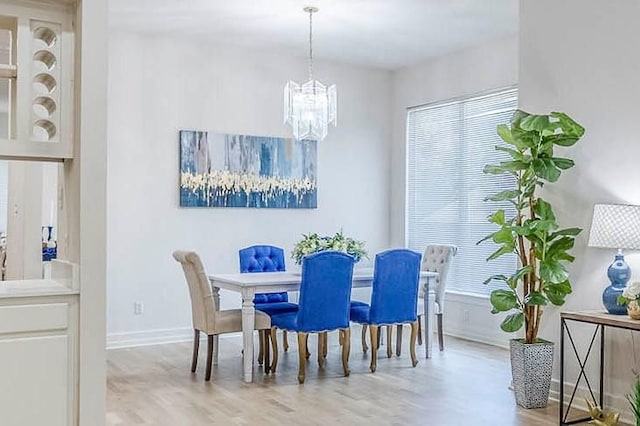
x,y
488,339
149,337
152,337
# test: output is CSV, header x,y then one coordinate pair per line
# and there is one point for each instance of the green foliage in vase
x,y
313,243
533,234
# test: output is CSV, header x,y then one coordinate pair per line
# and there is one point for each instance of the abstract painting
x,y
223,170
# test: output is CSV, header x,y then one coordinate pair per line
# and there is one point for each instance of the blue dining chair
x,y
394,297
265,258
325,291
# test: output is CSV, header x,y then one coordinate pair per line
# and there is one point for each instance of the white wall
x,y
158,86
582,57
491,66
4,125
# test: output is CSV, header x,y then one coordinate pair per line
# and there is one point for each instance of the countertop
x,y
34,288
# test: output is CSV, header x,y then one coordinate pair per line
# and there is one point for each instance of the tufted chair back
x,y
202,304
325,291
438,258
262,258
396,273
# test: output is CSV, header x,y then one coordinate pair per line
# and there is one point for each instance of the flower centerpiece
x,y
630,297
313,243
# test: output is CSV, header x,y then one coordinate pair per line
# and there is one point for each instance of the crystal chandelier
x,y
310,107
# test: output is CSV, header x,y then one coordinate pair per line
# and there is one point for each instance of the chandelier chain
x,y
311,45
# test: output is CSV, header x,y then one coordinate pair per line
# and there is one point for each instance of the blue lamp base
x,y
610,300
618,273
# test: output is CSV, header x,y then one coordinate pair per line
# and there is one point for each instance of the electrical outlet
x,y
466,315
138,308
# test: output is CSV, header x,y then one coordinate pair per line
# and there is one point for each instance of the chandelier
x,y
310,107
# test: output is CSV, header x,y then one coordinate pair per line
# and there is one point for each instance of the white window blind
x,y
448,145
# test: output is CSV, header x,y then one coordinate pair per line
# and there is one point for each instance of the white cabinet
x,y
38,346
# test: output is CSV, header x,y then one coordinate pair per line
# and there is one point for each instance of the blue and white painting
x,y
221,170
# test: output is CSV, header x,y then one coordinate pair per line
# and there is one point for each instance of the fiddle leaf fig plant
x,y
533,233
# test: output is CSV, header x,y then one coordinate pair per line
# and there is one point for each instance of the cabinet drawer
x,y
32,318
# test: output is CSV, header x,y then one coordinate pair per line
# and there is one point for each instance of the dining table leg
x,y
215,291
248,322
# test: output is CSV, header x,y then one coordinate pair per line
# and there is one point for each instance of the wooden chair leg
x,y
320,350
412,343
420,330
373,331
274,348
216,340
196,348
207,375
389,335
285,340
266,335
380,329
340,339
307,355
325,337
440,333
261,338
302,356
399,340
364,338
346,348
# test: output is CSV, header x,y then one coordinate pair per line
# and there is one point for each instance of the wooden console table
x,y
600,320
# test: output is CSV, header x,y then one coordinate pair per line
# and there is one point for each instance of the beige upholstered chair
x,y
207,318
437,258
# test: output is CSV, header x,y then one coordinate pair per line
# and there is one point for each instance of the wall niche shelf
x,y
37,59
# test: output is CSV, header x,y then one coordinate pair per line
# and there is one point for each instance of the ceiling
x,y
386,34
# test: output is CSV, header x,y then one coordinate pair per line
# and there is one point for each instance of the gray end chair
x,y
437,258
207,318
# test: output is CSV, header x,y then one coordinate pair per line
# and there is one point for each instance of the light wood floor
x,y
467,384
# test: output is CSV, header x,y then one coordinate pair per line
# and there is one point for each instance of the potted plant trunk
x,y
530,231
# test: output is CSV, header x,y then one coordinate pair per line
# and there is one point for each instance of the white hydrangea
x,y
632,291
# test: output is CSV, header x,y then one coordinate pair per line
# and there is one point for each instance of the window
x,y
448,145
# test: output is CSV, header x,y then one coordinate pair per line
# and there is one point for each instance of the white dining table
x,y
248,284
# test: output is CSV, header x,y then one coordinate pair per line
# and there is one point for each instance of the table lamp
x,y
615,226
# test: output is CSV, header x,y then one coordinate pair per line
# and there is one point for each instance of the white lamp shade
x,y
615,226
